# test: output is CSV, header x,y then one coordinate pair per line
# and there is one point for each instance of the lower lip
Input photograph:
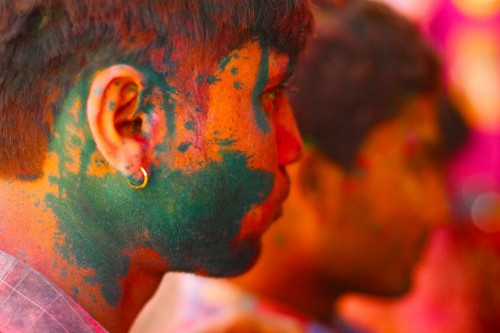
x,y
277,214
279,211
257,232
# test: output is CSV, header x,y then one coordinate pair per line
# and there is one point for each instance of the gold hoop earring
x,y
144,181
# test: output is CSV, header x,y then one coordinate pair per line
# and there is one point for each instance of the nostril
x,y
289,147
288,138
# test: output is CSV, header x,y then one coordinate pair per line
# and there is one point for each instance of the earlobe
x,y
319,177
115,118
308,181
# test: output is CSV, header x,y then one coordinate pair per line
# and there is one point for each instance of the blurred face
x,y
217,177
378,217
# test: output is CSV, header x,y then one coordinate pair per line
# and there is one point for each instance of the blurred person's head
x,y
369,188
143,137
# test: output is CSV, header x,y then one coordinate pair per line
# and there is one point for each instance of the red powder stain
x,y
157,57
362,163
411,144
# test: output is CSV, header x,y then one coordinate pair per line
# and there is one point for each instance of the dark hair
x,y
365,61
45,44
452,126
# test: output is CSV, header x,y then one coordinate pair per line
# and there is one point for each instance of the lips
x,y
286,190
258,220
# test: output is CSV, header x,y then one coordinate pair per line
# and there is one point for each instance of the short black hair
x,y
452,126
364,62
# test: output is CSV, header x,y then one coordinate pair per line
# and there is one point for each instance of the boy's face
x,y
379,215
217,174
232,153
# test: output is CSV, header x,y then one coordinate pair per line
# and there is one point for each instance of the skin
x,y
357,231
215,155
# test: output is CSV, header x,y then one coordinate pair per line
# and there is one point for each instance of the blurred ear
x,y
321,185
308,176
319,178
116,120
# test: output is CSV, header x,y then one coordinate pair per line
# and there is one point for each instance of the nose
x,y
438,211
288,138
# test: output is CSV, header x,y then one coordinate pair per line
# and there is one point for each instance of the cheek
x,y
235,118
393,222
233,127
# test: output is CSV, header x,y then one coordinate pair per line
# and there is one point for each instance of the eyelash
x,y
272,95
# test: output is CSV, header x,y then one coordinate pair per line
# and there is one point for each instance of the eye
x,y
421,153
272,98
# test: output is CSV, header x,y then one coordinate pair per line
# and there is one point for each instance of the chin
x,y
260,218
242,258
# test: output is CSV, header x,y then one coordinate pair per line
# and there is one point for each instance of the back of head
x,y
363,64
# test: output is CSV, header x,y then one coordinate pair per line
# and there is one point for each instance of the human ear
x,y
320,182
319,177
115,118
308,176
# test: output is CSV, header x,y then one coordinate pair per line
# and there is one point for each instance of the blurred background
x,y
457,285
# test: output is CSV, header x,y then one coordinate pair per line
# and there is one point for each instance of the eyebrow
x,y
281,76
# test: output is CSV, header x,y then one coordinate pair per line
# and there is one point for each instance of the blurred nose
x,y
288,138
438,211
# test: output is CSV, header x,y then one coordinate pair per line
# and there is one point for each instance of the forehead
x,y
416,122
193,73
182,55
273,67
226,112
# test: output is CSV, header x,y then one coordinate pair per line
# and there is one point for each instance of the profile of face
x,y
374,220
215,146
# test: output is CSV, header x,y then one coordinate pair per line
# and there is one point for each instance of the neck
x,y
292,288
30,232
285,272
137,288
